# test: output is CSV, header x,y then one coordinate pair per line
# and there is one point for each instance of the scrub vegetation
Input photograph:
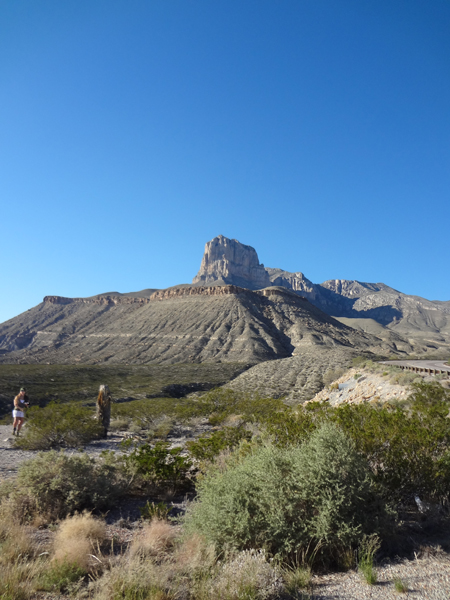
x,y
70,383
277,492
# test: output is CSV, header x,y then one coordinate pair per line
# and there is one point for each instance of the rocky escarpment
x,y
231,262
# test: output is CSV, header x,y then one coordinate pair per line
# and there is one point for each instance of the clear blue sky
x,y
133,131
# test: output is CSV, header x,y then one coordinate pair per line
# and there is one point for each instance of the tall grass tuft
x,y
368,548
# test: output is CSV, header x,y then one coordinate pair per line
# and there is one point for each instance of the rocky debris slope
x,y
356,386
360,385
187,324
295,379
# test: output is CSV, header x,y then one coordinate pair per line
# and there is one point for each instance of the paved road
x,y
430,365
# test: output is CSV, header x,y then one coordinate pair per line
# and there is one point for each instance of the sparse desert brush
x,y
18,579
207,447
119,424
155,539
332,374
297,578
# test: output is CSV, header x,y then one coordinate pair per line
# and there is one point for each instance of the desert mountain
x,y
401,317
236,310
223,323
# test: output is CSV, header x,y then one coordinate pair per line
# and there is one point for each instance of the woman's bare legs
x,y
17,424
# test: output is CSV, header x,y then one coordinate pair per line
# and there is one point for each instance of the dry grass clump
x,y
297,578
194,555
155,539
248,575
15,538
133,579
18,566
17,581
78,540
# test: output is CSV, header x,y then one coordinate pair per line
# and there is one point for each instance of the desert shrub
x,y
69,425
296,578
289,499
134,579
162,428
150,510
159,466
359,361
57,485
295,426
406,446
406,443
15,539
209,446
219,404
194,557
119,424
404,378
18,579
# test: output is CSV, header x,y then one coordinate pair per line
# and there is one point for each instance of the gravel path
x,y
11,458
425,578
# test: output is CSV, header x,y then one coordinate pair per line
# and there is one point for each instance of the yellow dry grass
x,y
78,539
156,538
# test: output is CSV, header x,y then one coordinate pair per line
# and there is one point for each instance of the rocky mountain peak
x,y
231,262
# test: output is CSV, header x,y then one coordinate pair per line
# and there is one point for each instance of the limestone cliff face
x,y
232,262
296,282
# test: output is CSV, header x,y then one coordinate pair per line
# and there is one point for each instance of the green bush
x,y
209,446
160,466
57,485
69,425
407,444
289,499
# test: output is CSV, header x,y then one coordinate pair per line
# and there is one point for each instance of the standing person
x,y
20,401
104,407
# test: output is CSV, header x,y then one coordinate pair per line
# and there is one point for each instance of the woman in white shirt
x,y
20,402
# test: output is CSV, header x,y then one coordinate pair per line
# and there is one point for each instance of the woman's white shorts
x,y
18,414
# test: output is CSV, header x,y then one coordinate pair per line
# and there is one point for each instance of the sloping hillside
x,y
186,324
